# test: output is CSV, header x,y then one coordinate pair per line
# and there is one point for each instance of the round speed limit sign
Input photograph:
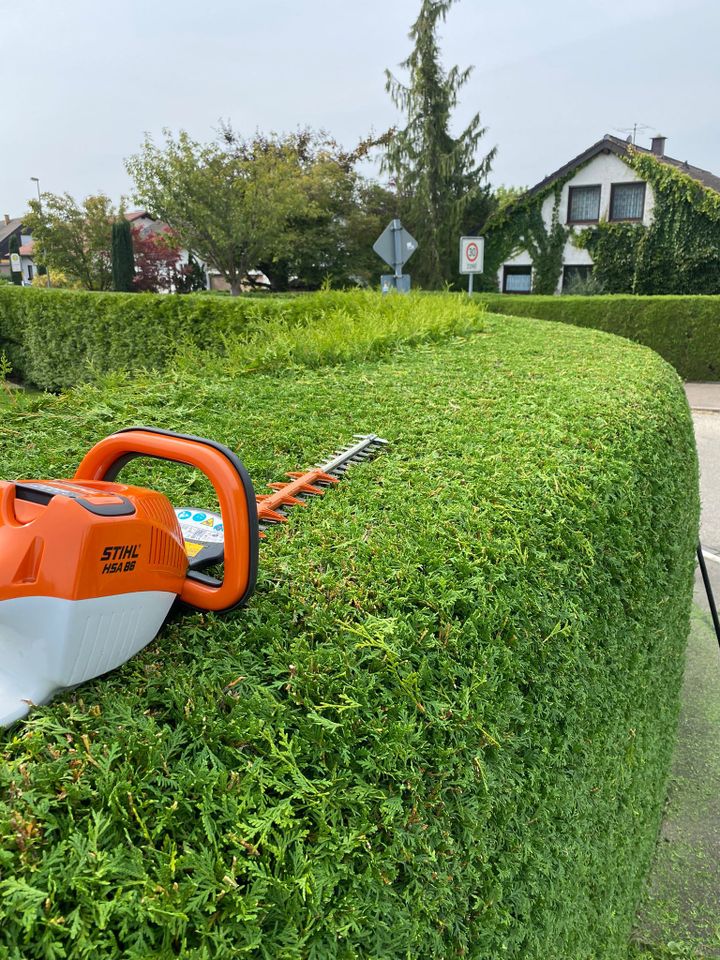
x,y
471,254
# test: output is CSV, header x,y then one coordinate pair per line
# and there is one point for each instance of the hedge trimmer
x,y
91,566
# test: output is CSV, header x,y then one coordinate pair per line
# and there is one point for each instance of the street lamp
x,y
37,184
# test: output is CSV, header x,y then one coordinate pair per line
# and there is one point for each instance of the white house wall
x,y
604,169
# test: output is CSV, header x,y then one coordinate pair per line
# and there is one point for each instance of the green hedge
x,y
683,330
443,725
56,339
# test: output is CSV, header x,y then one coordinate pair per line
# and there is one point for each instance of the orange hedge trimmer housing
x,y
91,566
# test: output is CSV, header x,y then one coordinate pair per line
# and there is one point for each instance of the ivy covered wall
x,y
519,225
678,252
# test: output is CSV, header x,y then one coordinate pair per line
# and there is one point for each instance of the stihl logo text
x,y
121,558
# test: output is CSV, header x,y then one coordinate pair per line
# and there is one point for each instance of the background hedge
x,y
443,725
56,339
683,330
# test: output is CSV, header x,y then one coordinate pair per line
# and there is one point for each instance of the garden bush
x,y
443,724
683,330
56,339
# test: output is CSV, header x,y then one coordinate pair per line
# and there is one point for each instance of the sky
x,y
83,80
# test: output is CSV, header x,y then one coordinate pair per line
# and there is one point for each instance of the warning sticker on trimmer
x,y
200,525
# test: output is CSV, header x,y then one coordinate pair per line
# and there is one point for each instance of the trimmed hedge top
x,y
443,725
56,339
683,330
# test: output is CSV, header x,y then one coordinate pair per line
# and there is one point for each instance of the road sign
x,y
395,246
472,252
15,265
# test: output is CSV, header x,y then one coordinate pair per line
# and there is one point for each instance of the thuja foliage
x,y
441,728
683,330
56,339
123,259
439,178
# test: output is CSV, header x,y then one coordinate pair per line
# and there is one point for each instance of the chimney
x,y
657,146
7,218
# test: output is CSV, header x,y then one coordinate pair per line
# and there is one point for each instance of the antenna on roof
x,y
632,131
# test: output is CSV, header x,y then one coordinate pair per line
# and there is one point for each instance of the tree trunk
x,y
235,288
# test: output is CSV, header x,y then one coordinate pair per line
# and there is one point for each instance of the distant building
x,y
13,227
597,185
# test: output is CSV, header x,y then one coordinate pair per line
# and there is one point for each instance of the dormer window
x,y
627,201
584,204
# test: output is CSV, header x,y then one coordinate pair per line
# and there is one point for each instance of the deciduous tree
x,y
329,239
157,260
291,206
75,238
228,202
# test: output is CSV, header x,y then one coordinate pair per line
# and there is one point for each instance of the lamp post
x,y
37,184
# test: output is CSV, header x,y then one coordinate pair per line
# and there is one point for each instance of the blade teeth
x,y
349,456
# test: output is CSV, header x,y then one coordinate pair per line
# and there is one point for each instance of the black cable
x,y
709,592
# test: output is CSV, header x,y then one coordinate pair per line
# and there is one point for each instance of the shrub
x,y
443,724
683,330
58,280
59,338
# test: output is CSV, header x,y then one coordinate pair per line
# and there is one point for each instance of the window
x,y
30,271
627,201
584,204
517,279
574,275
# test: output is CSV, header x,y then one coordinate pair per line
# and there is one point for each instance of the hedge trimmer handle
x,y
234,491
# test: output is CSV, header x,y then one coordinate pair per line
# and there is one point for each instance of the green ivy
x,y
679,252
546,247
520,226
614,251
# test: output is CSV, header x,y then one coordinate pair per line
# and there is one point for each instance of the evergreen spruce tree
x,y
123,258
14,247
438,177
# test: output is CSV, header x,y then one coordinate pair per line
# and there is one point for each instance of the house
x,y
13,227
599,185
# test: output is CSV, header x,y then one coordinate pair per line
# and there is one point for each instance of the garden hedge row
x,y
441,728
683,330
56,339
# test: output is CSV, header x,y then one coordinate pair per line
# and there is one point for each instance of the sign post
x,y
395,246
472,255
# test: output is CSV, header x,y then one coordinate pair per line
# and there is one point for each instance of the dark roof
x,y
621,148
6,229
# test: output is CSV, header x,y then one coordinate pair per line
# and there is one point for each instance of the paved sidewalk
x,y
703,396
682,905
